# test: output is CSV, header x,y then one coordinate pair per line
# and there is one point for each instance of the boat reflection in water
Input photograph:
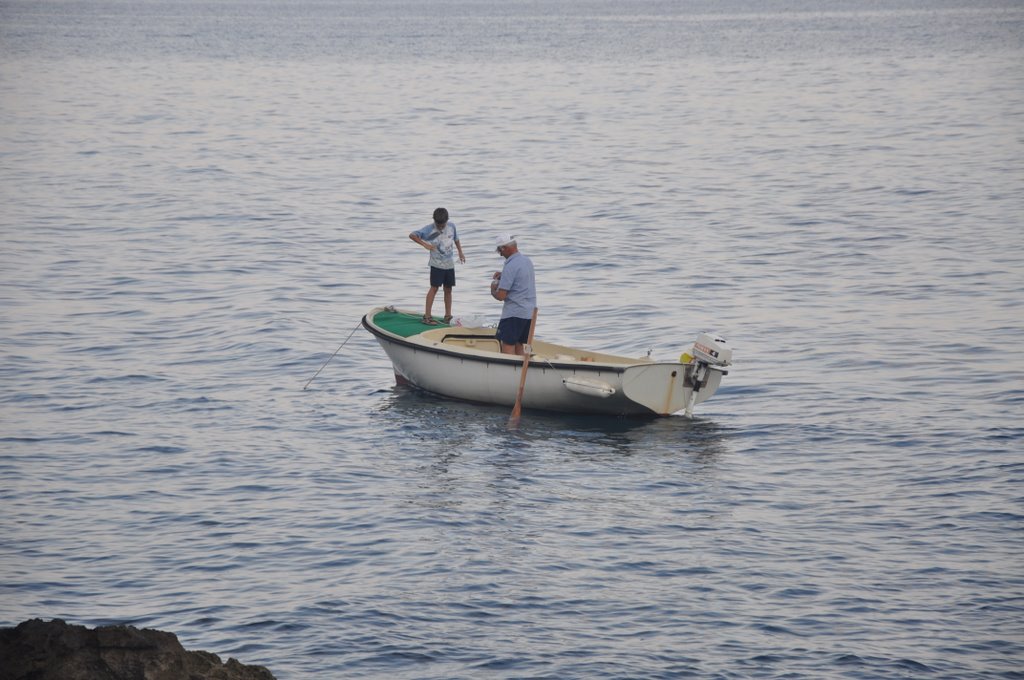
x,y
451,429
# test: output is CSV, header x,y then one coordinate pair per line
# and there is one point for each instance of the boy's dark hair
x,y
440,216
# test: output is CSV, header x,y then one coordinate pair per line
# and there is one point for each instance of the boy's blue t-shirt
x,y
518,279
444,256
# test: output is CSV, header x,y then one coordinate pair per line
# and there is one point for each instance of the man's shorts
x,y
513,331
442,277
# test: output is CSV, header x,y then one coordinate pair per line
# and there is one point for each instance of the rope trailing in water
x,y
333,355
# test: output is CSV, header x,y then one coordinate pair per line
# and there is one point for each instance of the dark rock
x,y
55,650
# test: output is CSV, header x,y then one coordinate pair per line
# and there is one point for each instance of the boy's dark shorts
x,y
442,277
513,331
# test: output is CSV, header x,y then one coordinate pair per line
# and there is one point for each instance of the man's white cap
x,y
504,240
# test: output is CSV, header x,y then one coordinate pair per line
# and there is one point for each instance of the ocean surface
x,y
200,200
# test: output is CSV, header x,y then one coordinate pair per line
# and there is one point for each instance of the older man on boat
x,y
515,286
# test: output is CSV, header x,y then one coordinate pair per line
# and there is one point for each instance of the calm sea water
x,y
201,199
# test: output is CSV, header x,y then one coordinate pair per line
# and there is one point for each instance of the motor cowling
x,y
712,349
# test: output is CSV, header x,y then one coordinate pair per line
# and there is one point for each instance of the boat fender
x,y
593,388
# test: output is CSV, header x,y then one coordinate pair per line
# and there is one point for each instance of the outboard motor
x,y
709,350
712,350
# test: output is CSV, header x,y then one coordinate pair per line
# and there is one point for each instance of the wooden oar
x,y
513,420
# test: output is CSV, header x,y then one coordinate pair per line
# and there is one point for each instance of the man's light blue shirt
x,y
517,278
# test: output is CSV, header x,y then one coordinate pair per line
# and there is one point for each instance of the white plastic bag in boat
x,y
470,321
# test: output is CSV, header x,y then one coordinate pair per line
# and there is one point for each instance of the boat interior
x,y
483,340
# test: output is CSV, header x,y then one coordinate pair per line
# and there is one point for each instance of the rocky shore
x,y
55,650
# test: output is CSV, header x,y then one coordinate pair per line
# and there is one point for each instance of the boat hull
x,y
464,364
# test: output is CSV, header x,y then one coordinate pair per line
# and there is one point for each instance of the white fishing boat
x,y
466,363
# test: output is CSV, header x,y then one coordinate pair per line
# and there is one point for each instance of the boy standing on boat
x,y
438,238
515,286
